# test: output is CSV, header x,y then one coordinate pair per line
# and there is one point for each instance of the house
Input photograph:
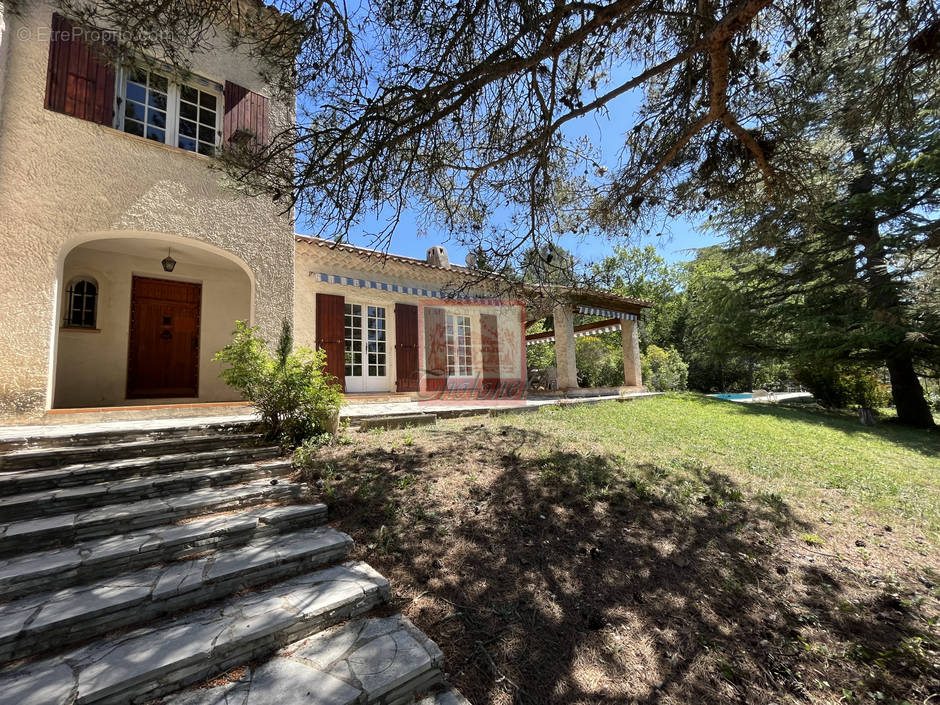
x,y
126,263
378,316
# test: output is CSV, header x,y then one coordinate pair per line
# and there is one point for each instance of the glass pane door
x,y
366,348
353,340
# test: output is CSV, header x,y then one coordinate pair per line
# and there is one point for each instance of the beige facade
x,y
91,365
315,258
66,184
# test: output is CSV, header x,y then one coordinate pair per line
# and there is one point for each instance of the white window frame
x,y
459,339
171,133
366,381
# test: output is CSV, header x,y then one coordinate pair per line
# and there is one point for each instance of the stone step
x,y
31,505
138,666
65,529
84,474
33,458
59,568
98,434
444,697
392,421
379,661
40,623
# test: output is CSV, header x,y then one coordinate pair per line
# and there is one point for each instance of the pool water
x,y
745,395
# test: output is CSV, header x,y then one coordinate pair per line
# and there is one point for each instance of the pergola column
x,y
632,371
564,347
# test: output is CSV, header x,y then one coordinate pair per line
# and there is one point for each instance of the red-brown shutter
x,y
435,346
246,116
406,347
79,80
331,334
489,339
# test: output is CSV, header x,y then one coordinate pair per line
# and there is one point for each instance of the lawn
x,y
670,550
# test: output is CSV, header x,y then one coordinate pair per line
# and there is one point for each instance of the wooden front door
x,y
163,354
406,348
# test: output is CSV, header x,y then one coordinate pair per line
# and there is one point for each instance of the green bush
x,y
295,398
933,398
841,386
664,369
599,361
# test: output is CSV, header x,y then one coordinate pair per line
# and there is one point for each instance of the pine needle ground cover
x,y
670,550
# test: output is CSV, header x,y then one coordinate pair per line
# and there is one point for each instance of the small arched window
x,y
81,303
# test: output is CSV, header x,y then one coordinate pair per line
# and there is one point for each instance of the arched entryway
x,y
128,331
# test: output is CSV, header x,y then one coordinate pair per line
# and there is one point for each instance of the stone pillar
x,y
632,371
564,347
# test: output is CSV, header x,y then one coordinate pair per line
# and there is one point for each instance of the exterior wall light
x,y
168,262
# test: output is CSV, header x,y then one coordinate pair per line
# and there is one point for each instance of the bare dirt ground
x,y
557,575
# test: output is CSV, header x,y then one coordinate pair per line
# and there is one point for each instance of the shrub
x,y
664,369
933,398
840,386
769,374
599,361
295,398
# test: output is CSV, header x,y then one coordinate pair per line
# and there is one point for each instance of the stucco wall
x,y
91,366
314,259
4,52
64,181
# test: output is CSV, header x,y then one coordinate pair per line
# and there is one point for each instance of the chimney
x,y
437,256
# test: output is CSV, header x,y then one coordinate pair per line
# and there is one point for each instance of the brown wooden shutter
x,y
331,334
489,339
79,80
435,347
246,117
406,348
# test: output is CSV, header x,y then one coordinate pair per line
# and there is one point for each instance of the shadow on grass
x,y
924,441
562,578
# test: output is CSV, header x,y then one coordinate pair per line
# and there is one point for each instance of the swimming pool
x,y
733,397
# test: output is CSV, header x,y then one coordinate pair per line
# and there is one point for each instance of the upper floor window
x,y
179,114
81,303
194,114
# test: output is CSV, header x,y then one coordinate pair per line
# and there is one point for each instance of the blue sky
x,y
604,129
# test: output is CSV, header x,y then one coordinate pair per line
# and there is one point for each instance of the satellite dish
x,y
471,260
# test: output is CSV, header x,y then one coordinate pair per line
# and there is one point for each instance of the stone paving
x,y
85,473
78,496
39,622
63,529
382,661
131,573
61,567
107,432
33,458
148,662
442,409
19,437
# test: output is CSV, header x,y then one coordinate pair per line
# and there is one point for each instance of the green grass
x,y
676,549
776,450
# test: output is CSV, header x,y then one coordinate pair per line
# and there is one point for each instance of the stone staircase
x,y
135,566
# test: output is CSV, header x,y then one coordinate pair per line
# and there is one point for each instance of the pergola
x,y
620,313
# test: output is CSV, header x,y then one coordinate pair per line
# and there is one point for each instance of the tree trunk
x,y
908,395
885,304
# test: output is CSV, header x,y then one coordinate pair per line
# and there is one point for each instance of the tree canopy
x,y
464,110
809,130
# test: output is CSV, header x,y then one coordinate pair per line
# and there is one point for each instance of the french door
x,y
366,342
